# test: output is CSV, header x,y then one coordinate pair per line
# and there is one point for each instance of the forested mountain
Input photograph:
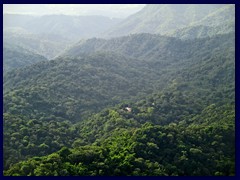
x,y
153,49
85,85
49,35
66,91
158,103
220,16
221,21
200,31
17,57
107,77
164,19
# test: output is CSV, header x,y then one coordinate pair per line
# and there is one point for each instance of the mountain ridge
x,y
165,19
143,104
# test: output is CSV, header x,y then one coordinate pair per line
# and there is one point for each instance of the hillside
x,y
200,145
200,31
164,19
157,52
18,57
149,95
53,104
90,82
221,21
73,88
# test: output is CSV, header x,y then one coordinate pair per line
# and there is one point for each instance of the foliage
x,y
140,111
25,137
202,145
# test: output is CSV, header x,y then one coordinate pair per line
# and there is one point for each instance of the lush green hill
x,y
74,88
151,48
171,81
159,101
166,18
201,145
167,57
18,57
78,86
27,137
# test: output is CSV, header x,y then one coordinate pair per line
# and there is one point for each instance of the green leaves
x,y
179,118
152,150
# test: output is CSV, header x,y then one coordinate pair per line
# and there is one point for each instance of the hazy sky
x,y
111,10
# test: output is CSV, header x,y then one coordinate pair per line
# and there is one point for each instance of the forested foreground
x,y
197,145
163,134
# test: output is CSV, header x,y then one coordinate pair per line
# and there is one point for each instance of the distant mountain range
x,y
49,35
169,19
70,27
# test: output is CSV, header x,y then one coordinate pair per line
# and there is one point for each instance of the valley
x,y
98,96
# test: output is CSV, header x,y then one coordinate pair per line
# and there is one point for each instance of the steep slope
x,y
221,21
17,57
165,18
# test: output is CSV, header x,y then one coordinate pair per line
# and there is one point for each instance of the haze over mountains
x,y
165,19
49,35
149,95
17,57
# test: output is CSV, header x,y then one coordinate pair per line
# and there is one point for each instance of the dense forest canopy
x,y
149,102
